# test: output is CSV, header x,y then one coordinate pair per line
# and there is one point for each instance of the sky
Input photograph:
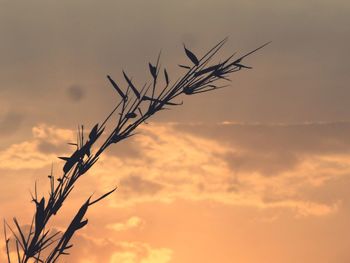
x,y
256,172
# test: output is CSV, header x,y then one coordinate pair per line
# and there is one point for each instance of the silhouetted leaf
x,y
68,246
23,241
116,87
18,254
82,224
241,66
249,53
93,133
207,70
153,70
131,85
191,56
142,115
40,214
166,77
160,101
102,197
183,66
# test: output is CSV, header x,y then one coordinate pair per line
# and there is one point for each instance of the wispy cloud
x,y
131,223
253,165
118,252
240,169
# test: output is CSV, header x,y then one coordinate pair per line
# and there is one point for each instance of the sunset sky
x,y
258,172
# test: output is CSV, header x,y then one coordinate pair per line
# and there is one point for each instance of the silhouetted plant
x,y
42,244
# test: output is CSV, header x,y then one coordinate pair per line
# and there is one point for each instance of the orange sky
x,y
258,172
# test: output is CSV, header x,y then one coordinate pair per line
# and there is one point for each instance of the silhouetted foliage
x,y
135,107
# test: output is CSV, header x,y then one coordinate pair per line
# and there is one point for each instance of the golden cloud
x,y
132,222
179,162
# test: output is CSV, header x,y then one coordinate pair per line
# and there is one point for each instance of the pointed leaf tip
x,y
191,56
166,77
184,66
153,70
116,87
137,93
93,132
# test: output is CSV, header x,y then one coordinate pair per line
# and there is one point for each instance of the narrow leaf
x,y
93,133
241,66
183,66
103,196
191,56
21,233
116,87
153,71
207,70
131,85
166,77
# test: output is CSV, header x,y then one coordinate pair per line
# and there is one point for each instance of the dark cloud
x,y
137,185
102,251
273,148
270,163
10,123
76,93
128,149
49,148
319,138
334,189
